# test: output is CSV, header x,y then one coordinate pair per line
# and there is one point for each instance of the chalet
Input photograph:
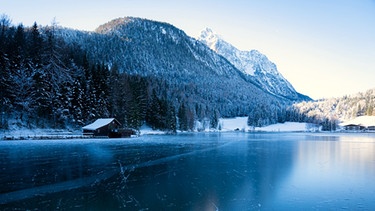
x,y
361,123
353,127
102,127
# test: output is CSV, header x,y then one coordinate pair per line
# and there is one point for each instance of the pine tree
x,y
77,103
41,94
114,88
137,102
171,119
21,74
153,112
63,106
182,118
4,71
35,47
54,72
214,119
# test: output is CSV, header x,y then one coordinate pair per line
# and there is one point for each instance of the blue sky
x,y
324,48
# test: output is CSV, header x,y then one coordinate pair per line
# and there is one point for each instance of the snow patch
x,y
147,130
163,31
240,124
288,127
232,124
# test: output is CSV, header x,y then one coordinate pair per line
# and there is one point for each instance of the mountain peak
x,y
252,63
208,33
115,23
209,37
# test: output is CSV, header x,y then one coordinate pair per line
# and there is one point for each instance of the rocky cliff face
x,y
253,64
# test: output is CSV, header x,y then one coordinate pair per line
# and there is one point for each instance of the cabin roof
x,y
99,123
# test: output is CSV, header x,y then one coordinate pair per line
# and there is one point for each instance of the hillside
x,y
339,109
193,72
136,70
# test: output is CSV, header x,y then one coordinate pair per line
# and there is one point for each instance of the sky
x,y
324,48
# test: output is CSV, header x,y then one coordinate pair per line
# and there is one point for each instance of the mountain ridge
x,y
253,64
193,73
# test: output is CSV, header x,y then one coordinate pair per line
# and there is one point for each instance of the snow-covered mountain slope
x,y
193,72
253,64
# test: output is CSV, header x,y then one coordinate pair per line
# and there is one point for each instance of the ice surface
x,y
191,171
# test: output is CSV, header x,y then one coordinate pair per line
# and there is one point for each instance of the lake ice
x,y
198,171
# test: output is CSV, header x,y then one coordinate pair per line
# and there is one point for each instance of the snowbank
x,y
240,124
232,124
146,130
288,127
22,133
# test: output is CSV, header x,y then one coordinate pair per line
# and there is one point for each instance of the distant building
x,y
361,123
102,127
353,127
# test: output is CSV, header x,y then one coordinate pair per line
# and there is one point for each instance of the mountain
x,y
186,72
193,72
133,69
253,64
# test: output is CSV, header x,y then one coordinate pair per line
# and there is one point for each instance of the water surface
x,y
213,171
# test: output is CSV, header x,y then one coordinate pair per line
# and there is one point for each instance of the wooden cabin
x,y
353,127
102,127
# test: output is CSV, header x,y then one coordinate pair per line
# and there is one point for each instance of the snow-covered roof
x,y
365,121
98,124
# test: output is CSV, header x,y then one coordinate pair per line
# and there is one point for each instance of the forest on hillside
x,y
47,82
332,111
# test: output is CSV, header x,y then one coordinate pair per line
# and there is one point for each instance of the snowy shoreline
x,y
237,124
226,125
14,137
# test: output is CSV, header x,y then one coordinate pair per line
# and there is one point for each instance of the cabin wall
x,y
103,131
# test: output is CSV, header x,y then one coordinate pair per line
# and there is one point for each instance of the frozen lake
x,y
201,171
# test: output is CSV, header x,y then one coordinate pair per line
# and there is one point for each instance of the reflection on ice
x,y
237,171
334,173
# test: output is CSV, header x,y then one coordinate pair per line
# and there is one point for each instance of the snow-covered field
x,y
146,130
288,127
240,124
